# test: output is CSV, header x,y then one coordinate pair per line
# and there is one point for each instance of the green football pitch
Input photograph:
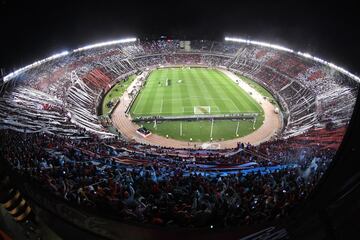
x,y
115,93
190,91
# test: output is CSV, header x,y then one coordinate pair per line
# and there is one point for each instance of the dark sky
x,y
32,30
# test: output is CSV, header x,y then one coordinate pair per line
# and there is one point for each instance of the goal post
x,y
202,110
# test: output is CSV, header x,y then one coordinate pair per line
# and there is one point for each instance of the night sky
x,y
34,30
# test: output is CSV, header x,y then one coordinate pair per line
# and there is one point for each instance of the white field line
x,y
245,86
182,113
237,128
197,97
212,126
190,110
180,128
242,84
197,109
137,104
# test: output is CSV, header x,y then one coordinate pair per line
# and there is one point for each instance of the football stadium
x,y
200,94
169,135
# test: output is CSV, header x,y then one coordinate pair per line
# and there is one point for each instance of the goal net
x,y
202,110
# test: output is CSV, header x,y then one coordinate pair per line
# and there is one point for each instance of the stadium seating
x,y
51,132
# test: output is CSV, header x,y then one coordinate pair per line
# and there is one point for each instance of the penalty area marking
x,y
181,113
202,110
187,108
212,126
181,129
237,128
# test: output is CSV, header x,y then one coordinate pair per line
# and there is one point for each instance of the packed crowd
x,y
310,94
161,190
50,132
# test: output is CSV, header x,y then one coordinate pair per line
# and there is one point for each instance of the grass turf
x,y
179,91
115,93
191,88
200,131
260,89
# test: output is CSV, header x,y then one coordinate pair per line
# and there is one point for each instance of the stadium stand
x,y
52,134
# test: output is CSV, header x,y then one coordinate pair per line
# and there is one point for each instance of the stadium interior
x,y
179,120
58,143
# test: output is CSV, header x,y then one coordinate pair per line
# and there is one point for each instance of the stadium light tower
x,y
35,64
108,43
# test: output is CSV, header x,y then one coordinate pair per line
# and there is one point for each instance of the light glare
x,y
38,63
35,64
102,44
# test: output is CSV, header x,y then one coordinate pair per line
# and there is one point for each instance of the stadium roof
x,y
126,40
